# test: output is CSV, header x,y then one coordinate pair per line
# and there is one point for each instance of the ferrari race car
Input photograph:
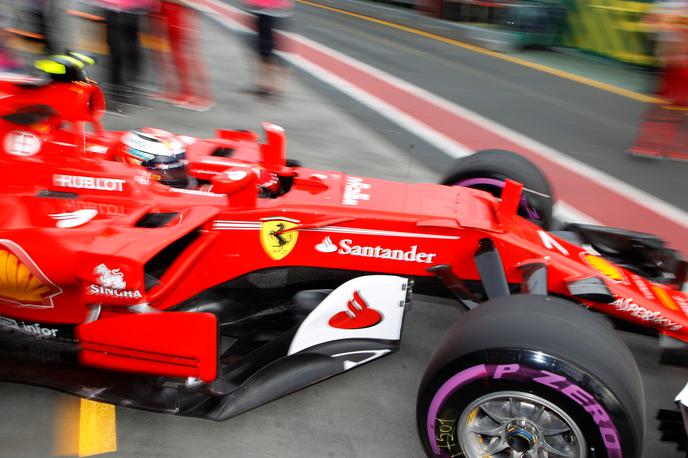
x,y
213,300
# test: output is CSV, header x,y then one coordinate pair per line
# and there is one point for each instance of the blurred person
x,y
176,24
664,130
670,20
268,14
122,22
34,21
9,62
45,21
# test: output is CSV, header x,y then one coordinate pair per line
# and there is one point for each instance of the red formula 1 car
x,y
208,303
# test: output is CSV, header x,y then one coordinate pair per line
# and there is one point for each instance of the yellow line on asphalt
x,y
84,427
514,60
97,428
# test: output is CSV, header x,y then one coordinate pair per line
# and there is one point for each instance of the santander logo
x,y
326,246
348,248
357,315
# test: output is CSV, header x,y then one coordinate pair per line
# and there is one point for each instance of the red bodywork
x,y
73,239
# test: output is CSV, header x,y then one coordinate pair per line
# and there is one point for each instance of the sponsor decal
x,y
102,208
35,329
640,312
21,281
370,307
353,191
95,183
357,315
643,286
346,247
111,283
610,435
277,239
682,302
551,243
605,267
112,292
22,143
110,278
326,246
74,219
665,298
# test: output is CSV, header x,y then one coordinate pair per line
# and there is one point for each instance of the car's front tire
x,y
531,376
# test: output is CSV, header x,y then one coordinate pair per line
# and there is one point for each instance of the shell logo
x,y
664,297
605,267
21,281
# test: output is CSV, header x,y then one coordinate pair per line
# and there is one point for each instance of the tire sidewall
x,y
591,405
501,165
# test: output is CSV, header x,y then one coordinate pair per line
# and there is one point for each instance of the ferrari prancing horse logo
x,y
278,238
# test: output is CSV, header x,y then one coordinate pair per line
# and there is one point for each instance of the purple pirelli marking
x,y
608,432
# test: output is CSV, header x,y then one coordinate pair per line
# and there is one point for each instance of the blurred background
x,y
617,32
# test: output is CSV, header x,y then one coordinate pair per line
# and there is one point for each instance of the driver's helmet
x,y
159,151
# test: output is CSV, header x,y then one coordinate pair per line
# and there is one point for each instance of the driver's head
x,y
159,151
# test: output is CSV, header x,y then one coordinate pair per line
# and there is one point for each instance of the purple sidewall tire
x,y
486,170
541,346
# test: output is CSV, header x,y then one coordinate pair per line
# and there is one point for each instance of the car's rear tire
x,y
487,170
529,371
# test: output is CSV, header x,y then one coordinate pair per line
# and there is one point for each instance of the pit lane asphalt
x,y
369,412
586,123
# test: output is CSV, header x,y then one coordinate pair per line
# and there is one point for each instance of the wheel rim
x,y
518,425
490,184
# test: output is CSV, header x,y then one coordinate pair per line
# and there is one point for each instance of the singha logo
x,y
110,278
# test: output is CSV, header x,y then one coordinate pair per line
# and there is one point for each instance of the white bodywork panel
x,y
385,294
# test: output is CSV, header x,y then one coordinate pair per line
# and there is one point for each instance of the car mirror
x,y
239,184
